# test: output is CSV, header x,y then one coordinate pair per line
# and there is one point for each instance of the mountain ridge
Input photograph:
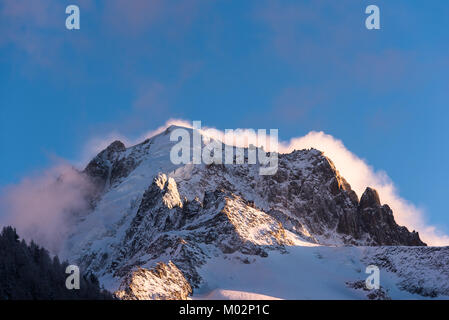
x,y
149,213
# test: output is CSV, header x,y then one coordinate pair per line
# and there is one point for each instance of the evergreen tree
x,y
28,272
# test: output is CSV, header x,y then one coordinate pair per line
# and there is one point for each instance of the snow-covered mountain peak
x,y
153,220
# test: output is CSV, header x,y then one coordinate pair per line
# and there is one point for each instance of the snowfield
x,y
302,273
220,294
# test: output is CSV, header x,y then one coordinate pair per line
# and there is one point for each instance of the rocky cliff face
x,y
377,221
164,282
421,270
149,211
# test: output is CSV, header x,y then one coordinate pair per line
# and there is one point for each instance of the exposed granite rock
x,y
99,168
371,294
369,199
113,164
308,196
164,282
379,223
222,222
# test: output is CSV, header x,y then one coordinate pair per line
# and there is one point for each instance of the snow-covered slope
x,y
323,272
163,231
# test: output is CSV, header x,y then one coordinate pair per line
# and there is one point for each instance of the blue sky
x,y
293,65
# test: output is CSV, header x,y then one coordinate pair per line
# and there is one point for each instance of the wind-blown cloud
x,y
40,207
23,24
97,144
355,170
361,175
43,207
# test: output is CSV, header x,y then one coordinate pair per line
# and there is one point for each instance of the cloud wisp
x,y
355,170
360,175
41,207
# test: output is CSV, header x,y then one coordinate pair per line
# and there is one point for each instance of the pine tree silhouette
x,y
27,272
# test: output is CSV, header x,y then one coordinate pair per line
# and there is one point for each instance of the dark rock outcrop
x,y
99,168
377,220
369,199
112,164
164,225
371,294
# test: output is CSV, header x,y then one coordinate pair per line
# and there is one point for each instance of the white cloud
x,y
39,206
361,175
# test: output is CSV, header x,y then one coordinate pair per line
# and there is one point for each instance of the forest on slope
x,y
28,272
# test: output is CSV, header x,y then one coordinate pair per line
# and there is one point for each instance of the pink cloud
x,y
36,28
43,207
23,24
139,16
295,104
150,96
320,36
132,16
35,14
